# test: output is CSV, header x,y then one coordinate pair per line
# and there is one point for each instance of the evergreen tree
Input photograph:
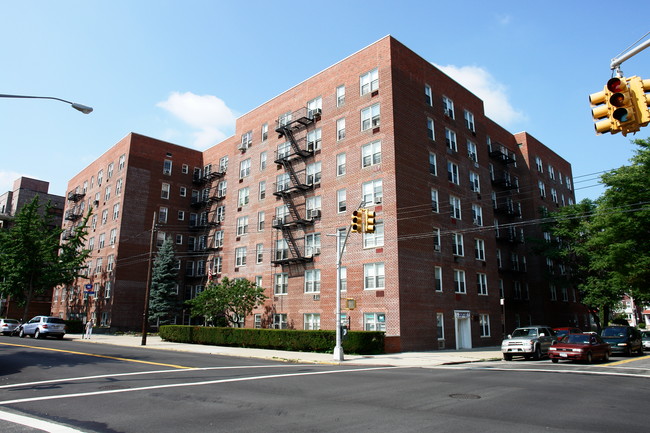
x,y
32,258
163,299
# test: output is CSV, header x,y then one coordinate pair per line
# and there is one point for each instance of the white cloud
x,y
209,116
494,94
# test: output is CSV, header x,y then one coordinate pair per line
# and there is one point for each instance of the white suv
x,y
42,326
529,342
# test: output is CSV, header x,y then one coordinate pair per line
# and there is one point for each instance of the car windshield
x,y
561,332
576,339
646,334
525,332
613,332
54,320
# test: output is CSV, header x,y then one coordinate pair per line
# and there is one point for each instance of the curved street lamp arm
x,y
79,107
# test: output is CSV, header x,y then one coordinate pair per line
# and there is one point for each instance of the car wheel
x,y
606,357
507,357
37,334
590,358
538,353
554,360
21,333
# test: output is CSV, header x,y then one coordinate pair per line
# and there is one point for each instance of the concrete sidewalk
x,y
404,359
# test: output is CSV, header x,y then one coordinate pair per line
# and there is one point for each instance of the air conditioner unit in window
x,y
243,147
311,146
314,213
316,251
316,112
378,200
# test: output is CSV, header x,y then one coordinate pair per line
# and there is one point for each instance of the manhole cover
x,y
465,396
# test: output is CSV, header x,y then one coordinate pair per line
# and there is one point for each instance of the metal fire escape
x,y
293,157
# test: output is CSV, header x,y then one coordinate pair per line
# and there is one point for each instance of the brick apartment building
x,y
11,202
449,265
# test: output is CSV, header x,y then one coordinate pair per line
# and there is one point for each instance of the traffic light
x,y
369,221
621,102
356,224
640,100
601,112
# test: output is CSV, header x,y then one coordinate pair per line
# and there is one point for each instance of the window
x,y
91,244
370,117
245,168
469,120
369,82
437,275
312,244
179,239
551,172
542,189
121,163
185,169
553,292
430,129
118,186
374,322
281,249
454,202
100,177
474,182
116,211
261,216
433,166
539,164
242,225
164,192
314,107
282,182
265,132
312,321
428,96
371,154
109,170
312,281
340,129
341,196
457,244
218,239
262,188
262,160
481,284
477,215
434,201
448,107
223,164
459,281
484,321
453,173
98,266
244,196
440,325
167,167
281,284
279,321
240,256
372,192
479,249
107,193
376,239
450,138
471,151
107,290
313,207
284,150
314,140
183,191
259,253
104,216
181,215
313,173
340,95
246,140
340,164
373,276
436,239
162,215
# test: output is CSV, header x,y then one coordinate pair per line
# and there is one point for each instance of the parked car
x,y
580,347
529,342
623,339
645,338
560,333
8,326
43,326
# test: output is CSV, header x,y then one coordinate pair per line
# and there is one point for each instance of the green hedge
x,y
359,342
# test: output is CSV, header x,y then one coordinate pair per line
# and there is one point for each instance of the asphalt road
x,y
103,388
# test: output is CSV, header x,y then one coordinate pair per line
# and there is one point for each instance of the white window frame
x,y
369,82
371,117
373,276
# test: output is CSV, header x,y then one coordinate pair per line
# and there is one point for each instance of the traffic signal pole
x,y
618,61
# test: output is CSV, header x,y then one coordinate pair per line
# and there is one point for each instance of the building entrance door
x,y
463,329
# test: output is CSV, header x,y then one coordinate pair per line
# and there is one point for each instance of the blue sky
x,y
183,71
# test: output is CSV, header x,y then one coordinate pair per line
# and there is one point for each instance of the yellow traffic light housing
x,y
601,112
369,221
621,103
638,88
356,225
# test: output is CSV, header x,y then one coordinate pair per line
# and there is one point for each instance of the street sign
x,y
88,286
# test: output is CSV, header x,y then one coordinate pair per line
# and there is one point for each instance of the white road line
x,y
544,370
177,385
136,373
36,423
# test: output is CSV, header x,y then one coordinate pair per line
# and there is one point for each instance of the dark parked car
x,y
42,326
580,347
623,339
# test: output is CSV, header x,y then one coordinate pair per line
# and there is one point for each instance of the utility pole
x,y
145,314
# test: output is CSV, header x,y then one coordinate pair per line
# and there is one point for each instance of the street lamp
x,y
79,107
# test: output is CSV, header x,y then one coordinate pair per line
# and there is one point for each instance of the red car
x,y
580,347
560,333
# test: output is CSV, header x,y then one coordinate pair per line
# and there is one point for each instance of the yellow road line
x,y
625,361
96,355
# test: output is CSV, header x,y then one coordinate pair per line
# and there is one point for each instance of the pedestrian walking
x,y
89,329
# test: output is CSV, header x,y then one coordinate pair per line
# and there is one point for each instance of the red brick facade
x,y
315,173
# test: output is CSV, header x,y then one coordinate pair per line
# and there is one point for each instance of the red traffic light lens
x,y
615,85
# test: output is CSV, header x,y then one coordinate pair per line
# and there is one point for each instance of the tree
x,y
163,300
32,257
231,299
